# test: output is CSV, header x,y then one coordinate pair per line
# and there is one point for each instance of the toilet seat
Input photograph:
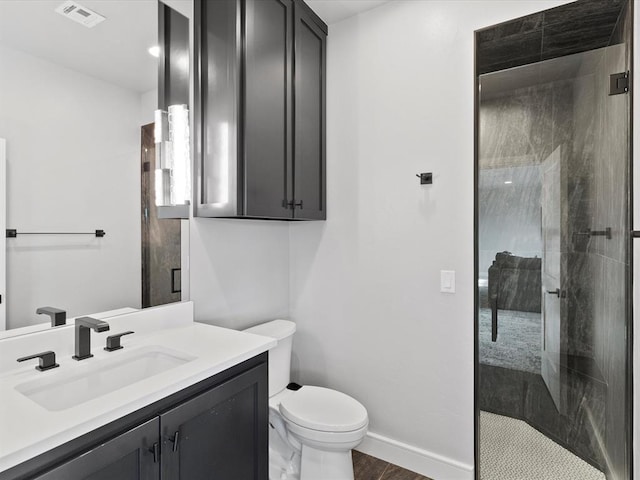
x,y
324,410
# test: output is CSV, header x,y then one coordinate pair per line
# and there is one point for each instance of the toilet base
x,y
325,465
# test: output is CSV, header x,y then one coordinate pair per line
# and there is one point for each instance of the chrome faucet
x,y
84,325
58,317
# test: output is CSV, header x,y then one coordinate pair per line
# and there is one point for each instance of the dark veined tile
x,y
584,10
393,472
366,467
573,28
503,53
519,26
574,36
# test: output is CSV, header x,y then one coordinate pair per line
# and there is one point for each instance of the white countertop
x,y
29,429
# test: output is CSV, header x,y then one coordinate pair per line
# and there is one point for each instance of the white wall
x,y
239,271
73,156
365,283
148,105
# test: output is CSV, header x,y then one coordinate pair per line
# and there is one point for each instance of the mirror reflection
x,y
78,93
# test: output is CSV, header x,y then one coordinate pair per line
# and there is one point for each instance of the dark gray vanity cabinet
x,y
129,456
239,447
260,110
216,429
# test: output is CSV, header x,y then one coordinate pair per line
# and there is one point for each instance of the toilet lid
x,y
324,409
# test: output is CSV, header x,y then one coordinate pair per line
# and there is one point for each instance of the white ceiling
x,y
116,49
332,11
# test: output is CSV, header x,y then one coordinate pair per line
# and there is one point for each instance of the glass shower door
x,y
553,235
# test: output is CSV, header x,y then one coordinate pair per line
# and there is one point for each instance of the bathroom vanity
x,y
182,400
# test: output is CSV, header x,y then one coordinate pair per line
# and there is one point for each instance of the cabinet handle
x,y
175,441
558,292
293,205
156,452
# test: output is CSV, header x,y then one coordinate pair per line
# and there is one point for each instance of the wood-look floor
x,y
366,467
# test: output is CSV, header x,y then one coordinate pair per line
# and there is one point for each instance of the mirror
x,y
76,110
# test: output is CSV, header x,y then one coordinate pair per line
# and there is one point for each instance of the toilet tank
x,y
280,355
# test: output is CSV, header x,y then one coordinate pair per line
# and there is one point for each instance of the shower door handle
x,y
558,292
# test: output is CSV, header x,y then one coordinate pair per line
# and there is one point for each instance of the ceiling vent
x,y
83,15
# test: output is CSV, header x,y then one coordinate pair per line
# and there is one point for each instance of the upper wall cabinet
x,y
260,110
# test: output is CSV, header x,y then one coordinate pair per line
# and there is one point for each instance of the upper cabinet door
x,y
267,107
259,110
173,82
310,117
217,51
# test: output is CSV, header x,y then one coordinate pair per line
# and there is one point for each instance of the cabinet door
x,y
310,112
268,107
217,48
173,33
220,434
127,457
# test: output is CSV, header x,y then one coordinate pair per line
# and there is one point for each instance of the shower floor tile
x,y
510,449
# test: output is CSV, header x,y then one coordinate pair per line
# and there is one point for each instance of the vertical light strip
x,y
223,179
173,157
180,168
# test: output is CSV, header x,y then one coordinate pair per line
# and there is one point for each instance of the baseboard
x,y
415,459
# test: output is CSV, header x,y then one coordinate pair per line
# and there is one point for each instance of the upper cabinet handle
x,y
292,205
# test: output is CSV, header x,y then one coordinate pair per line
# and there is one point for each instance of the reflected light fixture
x,y
508,182
173,158
154,51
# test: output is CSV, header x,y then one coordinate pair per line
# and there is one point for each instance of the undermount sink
x,y
61,390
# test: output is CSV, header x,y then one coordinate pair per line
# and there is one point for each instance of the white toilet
x,y
312,429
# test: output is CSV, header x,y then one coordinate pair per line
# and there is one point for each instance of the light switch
x,y
448,281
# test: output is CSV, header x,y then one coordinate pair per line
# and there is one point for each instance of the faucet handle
x,y
47,360
113,341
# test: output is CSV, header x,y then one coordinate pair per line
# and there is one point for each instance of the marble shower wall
x,y
518,130
510,214
602,264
